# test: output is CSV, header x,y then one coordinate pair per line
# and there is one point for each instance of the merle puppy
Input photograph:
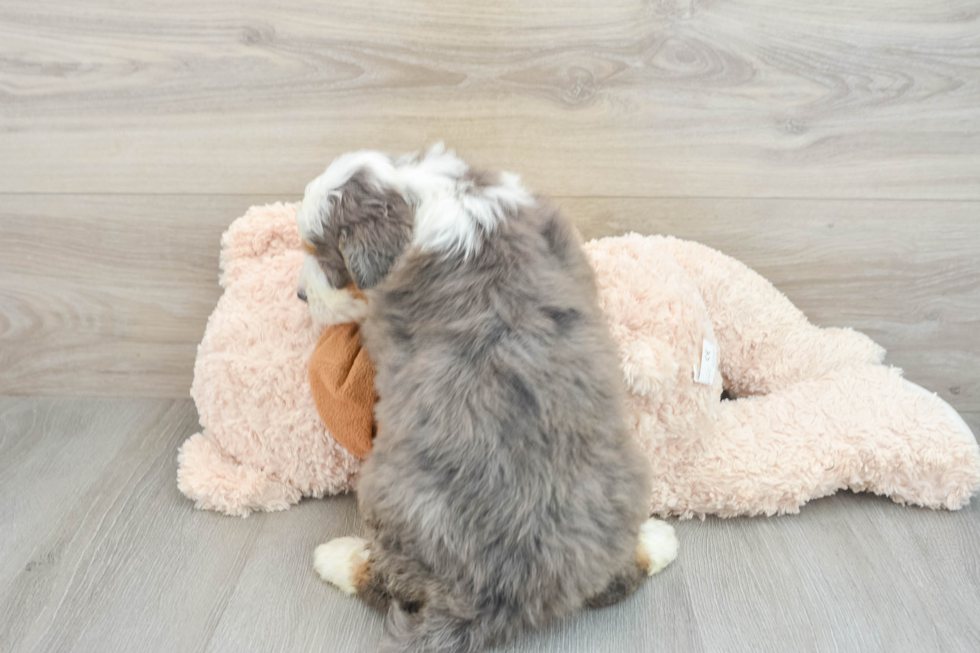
x,y
503,490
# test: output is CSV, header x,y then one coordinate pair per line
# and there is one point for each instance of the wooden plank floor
x,y
833,146
102,553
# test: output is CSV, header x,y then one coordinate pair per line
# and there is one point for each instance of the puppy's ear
x,y
377,229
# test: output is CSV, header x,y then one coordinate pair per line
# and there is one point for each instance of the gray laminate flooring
x,y
100,552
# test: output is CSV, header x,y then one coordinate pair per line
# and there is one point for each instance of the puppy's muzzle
x,y
303,280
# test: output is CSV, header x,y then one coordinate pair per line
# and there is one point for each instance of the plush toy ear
x,y
377,229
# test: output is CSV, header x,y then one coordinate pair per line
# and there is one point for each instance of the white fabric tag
x,y
709,364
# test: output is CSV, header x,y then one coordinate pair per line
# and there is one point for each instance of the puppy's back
x,y
503,490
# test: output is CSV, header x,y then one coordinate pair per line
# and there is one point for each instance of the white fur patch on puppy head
x,y
450,210
314,213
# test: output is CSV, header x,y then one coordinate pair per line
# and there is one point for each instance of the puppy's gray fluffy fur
x,y
503,490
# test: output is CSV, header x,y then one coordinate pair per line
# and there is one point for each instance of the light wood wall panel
x,y
620,98
109,294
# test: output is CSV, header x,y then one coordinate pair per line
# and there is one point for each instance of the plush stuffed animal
x,y
816,411
263,446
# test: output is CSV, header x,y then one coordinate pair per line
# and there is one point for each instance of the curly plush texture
x,y
817,411
263,445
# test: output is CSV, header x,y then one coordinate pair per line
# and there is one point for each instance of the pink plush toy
x,y
816,413
816,410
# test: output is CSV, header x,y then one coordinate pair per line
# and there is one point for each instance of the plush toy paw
x,y
216,481
339,560
658,545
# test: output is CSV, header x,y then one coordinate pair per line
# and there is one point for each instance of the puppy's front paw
x,y
339,560
658,545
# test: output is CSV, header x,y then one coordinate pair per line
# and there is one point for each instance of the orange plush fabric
x,y
342,381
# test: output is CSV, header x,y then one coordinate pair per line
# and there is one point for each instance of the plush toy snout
x,y
342,383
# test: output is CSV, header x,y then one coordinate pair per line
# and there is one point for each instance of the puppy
x,y
504,490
